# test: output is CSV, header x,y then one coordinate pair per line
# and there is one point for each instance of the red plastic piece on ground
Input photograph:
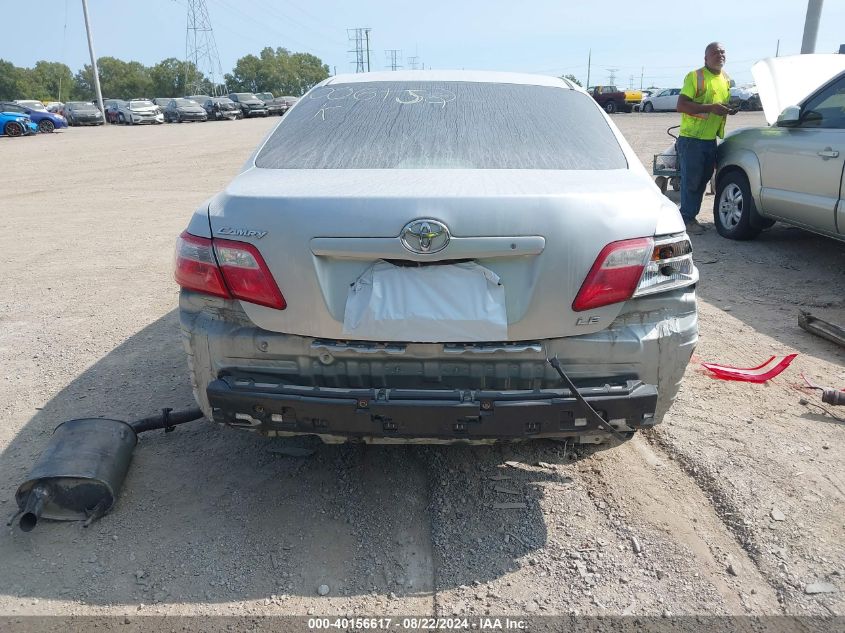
x,y
759,374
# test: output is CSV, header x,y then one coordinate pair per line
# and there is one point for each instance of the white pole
x,y
811,26
93,61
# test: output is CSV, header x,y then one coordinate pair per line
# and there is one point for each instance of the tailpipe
x,y
35,502
79,475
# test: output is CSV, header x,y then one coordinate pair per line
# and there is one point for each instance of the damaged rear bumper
x,y
271,407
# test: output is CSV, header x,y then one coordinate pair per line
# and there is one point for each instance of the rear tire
x,y
610,107
733,207
648,107
662,182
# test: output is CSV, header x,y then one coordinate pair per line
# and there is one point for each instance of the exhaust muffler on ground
x,y
79,475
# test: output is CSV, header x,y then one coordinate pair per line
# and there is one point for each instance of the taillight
x,y
615,274
223,268
196,268
246,274
669,267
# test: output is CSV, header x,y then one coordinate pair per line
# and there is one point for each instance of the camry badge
x,y
425,236
226,230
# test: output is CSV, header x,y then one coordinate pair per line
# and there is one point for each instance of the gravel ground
x,y
734,505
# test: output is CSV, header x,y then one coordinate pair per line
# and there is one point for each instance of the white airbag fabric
x,y
427,304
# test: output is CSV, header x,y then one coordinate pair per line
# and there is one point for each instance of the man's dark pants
x,y
698,158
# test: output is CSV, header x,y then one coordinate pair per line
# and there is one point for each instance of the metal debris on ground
x,y
498,477
509,506
507,491
830,395
822,328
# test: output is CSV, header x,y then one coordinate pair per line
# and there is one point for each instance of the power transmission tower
x,y
359,40
413,62
201,50
611,79
394,56
631,82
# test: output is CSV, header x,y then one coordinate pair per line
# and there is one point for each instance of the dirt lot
x,y
735,505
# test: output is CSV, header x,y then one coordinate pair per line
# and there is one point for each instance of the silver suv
x,y
400,258
790,172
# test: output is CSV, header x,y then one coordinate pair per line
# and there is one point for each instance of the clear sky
x,y
660,41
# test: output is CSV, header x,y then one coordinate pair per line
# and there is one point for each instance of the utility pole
x,y
777,48
201,51
93,60
394,55
360,49
589,61
811,26
642,72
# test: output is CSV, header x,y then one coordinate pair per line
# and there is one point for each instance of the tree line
x,y
273,70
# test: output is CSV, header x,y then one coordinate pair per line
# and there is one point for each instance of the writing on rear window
x,y
443,125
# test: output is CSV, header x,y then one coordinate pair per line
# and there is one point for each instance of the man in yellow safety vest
x,y
703,104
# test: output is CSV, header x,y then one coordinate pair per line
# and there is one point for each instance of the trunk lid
x,y
539,231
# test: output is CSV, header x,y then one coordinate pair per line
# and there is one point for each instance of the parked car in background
x,y
162,102
47,121
273,106
612,99
220,108
56,107
82,113
139,112
181,110
200,99
792,171
662,101
745,98
112,107
16,124
315,301
249,104
287,102
32,104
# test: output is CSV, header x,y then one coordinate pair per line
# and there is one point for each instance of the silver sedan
x,y
401,257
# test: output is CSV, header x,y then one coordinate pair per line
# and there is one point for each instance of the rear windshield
x,y
443,125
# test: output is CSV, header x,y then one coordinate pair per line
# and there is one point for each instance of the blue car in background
x,y
46,121
16,124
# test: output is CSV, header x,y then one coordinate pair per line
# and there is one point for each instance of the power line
x,y
321,31
266,25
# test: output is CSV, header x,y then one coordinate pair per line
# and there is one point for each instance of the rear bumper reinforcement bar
x,y
264,404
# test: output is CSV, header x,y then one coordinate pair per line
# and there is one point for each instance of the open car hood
x,y
786,81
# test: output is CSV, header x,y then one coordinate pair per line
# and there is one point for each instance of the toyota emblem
x,y
425,236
